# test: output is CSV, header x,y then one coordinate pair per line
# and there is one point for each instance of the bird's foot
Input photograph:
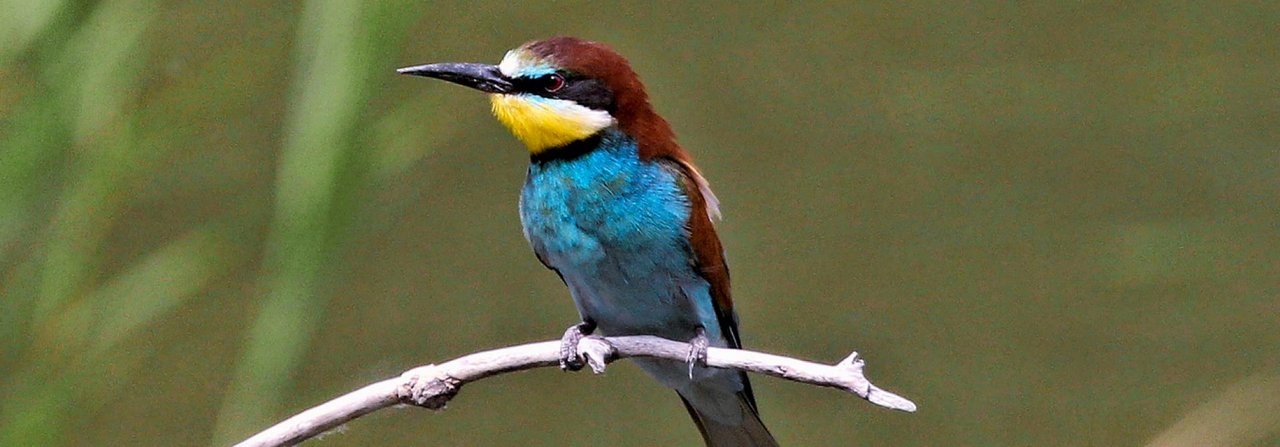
x,y
697,350
569,359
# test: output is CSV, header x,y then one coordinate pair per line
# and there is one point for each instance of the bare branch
x,y
432,386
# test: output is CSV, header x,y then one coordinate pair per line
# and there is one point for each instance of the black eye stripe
x,y
586,91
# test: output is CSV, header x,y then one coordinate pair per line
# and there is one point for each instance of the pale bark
x,y
432,386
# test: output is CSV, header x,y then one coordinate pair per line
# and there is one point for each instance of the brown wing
x,y
708,254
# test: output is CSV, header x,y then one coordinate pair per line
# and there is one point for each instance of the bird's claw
x,y
569,359
697,351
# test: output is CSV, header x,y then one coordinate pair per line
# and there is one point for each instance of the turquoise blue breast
x,y
614,227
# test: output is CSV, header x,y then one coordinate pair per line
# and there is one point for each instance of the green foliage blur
x,y
1049,223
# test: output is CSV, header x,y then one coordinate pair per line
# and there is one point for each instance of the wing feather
x,y
708,254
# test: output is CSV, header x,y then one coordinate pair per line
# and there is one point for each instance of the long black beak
x,y
482,77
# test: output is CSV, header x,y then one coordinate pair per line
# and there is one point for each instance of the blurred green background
x,y
1051,223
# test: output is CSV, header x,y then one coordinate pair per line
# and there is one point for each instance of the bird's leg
x,y
569,360
697,350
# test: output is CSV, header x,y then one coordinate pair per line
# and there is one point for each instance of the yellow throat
x,y
546,123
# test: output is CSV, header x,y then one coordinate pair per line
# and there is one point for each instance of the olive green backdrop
x,y
1055,223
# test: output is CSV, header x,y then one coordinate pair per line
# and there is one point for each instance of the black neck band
x,y
569,151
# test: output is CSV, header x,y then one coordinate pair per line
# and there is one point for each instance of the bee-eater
x,y
616,207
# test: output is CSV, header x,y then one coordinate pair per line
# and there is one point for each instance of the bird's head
x,y
553,92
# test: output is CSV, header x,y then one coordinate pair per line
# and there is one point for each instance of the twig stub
x,y
428,387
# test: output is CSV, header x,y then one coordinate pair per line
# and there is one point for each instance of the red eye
x,y
553,83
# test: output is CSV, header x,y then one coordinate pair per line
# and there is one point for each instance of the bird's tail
x,y
749,432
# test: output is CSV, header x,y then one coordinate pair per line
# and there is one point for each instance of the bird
x,y
615,206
